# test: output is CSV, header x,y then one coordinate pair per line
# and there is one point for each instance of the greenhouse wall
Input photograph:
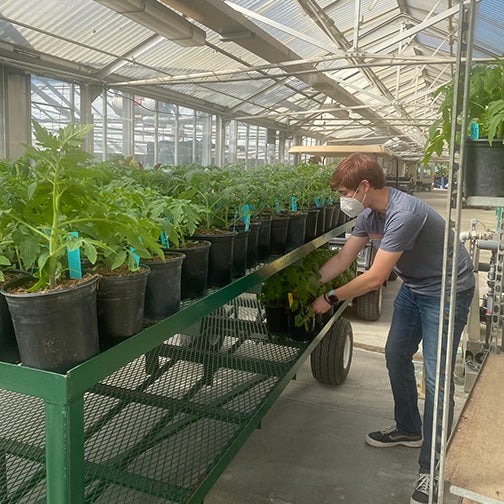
x,y
148,130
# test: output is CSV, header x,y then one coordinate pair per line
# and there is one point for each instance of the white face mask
x,y
351,206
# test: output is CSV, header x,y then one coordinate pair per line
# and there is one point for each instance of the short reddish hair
x,y
356,168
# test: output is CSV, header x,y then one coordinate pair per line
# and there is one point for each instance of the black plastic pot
x,y
299,333
240,245
484,172
194,279
296,231
120,303
311,224
163,292
220,261
252,244
276,319
321,222
335,215
58,329
342,219
329,212
279,228
9,351
264,239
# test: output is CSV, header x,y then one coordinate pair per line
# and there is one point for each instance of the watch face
x,y
333,299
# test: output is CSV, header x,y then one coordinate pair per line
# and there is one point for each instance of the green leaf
x,y
119,259
90,251
4,261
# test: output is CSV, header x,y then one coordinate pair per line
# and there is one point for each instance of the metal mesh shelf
x,y
155,419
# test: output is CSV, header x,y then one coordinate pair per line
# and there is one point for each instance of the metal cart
x,y
158,417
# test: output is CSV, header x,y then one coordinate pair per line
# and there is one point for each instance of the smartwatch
x,y
331,298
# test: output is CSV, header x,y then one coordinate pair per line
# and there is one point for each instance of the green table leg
x,y
3,477
64,425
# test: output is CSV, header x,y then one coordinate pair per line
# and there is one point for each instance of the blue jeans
x,y
415,318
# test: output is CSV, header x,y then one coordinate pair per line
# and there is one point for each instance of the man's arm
x,y
341,261
368,281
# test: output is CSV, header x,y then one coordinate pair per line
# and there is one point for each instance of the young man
x,y
411,238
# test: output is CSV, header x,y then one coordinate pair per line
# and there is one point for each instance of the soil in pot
x,y
55,329
220,261
163,291
194,279
9,351
296,230
120,300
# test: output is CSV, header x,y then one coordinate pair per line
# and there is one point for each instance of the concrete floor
x,y
311,449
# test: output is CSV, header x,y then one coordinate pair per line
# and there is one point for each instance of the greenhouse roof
x,y
303,67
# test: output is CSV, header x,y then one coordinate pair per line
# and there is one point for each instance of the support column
x,y
271,135
206,154
281,148
17,89
128,118
298,140
233,142
220,141
88,94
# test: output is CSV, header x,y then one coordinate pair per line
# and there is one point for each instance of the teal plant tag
x,y
317,202
277,206
74,260
246,210
164,240
293,203
135,256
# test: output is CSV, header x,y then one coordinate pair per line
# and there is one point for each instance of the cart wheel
x,y
369,305
331,358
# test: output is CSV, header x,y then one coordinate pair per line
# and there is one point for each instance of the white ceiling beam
x,y
392,41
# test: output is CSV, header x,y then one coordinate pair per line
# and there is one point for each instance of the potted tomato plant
x,y
484,148
42,217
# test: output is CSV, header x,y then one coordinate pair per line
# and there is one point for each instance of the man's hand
x,y
320,305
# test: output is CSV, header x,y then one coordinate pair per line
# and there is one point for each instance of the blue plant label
x,y
135,256
277,205
474,130
164,240
317,202
246,209
74,260
293,203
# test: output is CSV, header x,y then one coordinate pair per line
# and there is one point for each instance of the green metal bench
x,y
157,418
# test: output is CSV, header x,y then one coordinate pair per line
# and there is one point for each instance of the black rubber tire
x,y
369,305
332,357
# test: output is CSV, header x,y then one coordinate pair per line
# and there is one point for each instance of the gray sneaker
x,y
422,489
392,436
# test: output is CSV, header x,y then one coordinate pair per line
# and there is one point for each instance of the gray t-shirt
x,y
414,228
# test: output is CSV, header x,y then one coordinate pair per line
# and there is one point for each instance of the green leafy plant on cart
x,y
298,285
